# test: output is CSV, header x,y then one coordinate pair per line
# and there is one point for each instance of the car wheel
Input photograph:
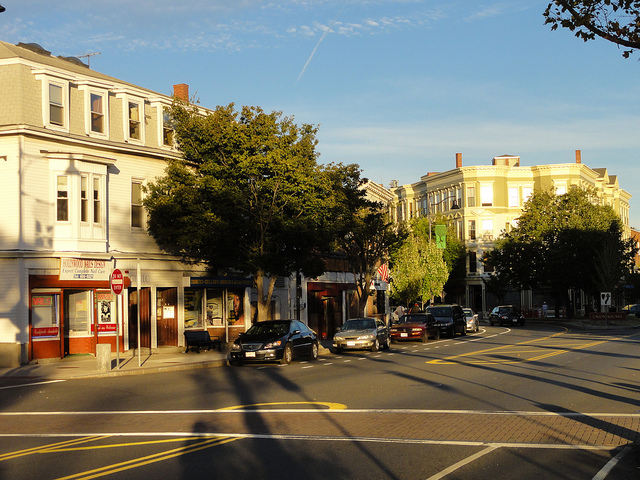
x,y
337,350
286,355
376,345
387,345
236,363
313,355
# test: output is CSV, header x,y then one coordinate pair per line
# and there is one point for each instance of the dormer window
x,y
97,113
56,105
135,127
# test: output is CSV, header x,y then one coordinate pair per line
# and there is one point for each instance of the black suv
x,y
506,315
450,318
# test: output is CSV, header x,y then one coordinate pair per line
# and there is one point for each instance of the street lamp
x,y
454,206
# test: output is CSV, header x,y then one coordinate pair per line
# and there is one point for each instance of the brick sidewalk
x,y
455,427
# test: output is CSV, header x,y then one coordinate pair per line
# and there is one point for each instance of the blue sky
x,y
396,86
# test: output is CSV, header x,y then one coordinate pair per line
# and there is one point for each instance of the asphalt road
x,y
529,403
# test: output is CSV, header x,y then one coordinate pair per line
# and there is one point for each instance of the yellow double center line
x,y
512,354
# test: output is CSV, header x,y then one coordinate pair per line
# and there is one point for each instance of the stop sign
x,y
116,281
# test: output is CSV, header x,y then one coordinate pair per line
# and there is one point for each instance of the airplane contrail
x,y
312,54
326,32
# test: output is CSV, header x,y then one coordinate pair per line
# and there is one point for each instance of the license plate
x,y
351,344
249,354
404,334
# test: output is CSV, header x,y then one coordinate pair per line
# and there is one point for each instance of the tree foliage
x,y
420,269
365,235
248,195
617,21
562,242
454,254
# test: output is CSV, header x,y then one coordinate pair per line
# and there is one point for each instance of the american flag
x,y
383,271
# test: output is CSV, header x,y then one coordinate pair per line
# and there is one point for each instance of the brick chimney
x,y
458,160
578,156
181,91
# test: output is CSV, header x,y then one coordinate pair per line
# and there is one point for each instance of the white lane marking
x,y
602,474
31,384
462,463
329,411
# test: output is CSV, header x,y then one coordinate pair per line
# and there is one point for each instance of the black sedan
x,y
506,315
275,341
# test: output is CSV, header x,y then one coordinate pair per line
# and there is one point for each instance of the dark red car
x,y
415,326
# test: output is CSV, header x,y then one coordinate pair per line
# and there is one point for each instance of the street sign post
x,y
116,282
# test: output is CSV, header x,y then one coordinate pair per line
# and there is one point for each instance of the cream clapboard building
x,y
485,200
76,147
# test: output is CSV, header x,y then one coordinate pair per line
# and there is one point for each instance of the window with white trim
x,y
137,209
62,198
97,199
135,120
471,196
526,194
56,104
514,197
486,195
167,130
84,199
97,113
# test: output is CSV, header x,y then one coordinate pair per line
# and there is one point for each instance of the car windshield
x,y
468,311
440,311
413,319
359,324
275,328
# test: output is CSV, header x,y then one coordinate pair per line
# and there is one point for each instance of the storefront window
x,y
44,315
193,303
106,311
78,312
214,308
235,306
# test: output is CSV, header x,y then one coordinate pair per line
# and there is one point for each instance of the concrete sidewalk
x,y
163,359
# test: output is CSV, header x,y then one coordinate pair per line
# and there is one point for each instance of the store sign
x,y
84,269
44,332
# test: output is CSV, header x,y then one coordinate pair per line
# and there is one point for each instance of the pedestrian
x,y
415,308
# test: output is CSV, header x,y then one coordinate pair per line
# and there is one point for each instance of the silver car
x,y
362,333
472,320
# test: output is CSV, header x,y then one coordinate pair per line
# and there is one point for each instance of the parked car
x,y
633,309
362,333
415,326
450,319
473,324
275,341
506,315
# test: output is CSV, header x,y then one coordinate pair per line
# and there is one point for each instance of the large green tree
x,y
617,21
247,195
562,242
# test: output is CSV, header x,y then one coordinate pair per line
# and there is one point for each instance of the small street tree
x,y
248,195
419,270
617,21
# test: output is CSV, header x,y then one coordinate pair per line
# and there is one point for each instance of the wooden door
x,y
145,317
167,317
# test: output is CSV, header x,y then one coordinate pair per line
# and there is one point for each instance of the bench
x,y
201,339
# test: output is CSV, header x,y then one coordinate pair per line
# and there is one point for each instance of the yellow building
x,y
484,201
